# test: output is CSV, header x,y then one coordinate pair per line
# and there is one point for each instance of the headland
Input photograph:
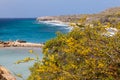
x,y
108,15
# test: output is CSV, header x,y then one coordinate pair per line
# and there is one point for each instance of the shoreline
x,y
52,21
55,23
6,44
25,44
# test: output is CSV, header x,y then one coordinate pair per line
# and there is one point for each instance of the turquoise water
x,y
24,29
8,57
28,29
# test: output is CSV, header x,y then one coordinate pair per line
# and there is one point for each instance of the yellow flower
x,y
100,65
52,57
31,51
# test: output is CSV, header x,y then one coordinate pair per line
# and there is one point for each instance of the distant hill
x,y
111,15
111,10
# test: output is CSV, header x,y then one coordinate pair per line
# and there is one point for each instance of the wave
x,y
57,23
68,28
54,23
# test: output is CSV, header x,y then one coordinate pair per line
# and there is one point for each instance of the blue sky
x,y
35,8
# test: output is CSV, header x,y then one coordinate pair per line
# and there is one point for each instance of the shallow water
x,y
8,56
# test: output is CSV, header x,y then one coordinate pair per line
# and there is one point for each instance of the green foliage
x,y
83,54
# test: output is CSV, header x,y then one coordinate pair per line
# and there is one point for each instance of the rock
x,y
21,41
5,74
1,45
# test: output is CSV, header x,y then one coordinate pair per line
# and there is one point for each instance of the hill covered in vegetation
x,y
109,15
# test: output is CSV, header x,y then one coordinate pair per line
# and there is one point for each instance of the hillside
x,y
109,15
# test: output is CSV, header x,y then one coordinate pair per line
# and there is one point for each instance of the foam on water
x,y
54,23
61,25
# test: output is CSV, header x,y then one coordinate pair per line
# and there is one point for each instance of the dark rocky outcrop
x,y
21,41
5,74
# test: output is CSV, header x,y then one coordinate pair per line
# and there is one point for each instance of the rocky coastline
x,y
19,43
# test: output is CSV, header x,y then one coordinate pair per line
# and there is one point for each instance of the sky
x,y
36,8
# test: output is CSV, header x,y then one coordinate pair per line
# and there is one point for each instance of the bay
x,y
29,30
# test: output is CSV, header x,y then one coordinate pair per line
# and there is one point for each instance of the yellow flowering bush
x,y
82,54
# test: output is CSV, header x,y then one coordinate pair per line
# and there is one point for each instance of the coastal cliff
x,y
5,74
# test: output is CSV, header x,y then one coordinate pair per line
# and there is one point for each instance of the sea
x,y
30,30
